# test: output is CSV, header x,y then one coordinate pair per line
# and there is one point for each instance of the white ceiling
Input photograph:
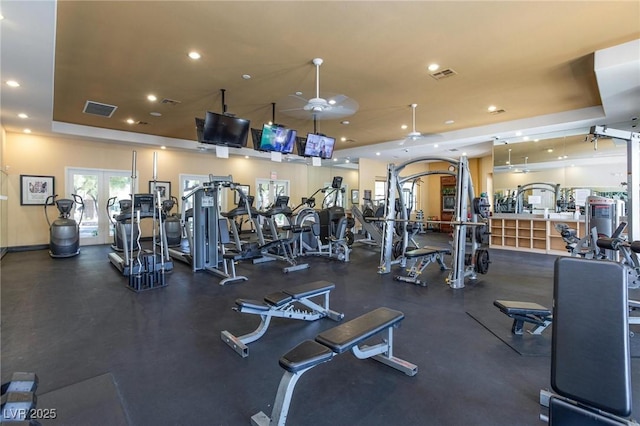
x,y
29,46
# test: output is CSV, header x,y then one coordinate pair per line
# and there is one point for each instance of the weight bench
x,y
282,304
347,336
522,312
423,258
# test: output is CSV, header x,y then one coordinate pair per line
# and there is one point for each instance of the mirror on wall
x,y
567,159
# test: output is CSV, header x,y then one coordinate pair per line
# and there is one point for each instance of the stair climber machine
x,y
324,232
144,269
243,213
64,232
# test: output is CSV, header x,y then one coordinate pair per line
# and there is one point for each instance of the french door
x,y
96,186
267,192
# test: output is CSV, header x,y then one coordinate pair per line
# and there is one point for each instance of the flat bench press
x,y
347,336
282,304
522,312
422,258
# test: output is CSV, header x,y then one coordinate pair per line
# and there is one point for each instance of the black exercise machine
x,y
590,362
347,336
293,303
64,232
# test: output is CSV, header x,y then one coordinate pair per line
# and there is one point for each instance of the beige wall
x,y
4,202
30,154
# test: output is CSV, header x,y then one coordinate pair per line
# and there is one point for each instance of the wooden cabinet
x,y
447,201
530,234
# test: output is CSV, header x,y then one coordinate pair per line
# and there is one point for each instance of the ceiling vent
x,y
142,123
96,108
445,73
498,111
170,101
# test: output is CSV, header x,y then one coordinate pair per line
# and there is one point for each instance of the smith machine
x,y
468,259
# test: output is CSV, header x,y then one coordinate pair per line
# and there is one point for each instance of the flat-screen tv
x,y
277,138
300,143
200,129
256,135
220,129
319,146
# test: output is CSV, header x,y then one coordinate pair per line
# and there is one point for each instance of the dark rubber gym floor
x,y
107,355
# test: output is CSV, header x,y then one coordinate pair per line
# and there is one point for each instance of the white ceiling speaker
x,y
332,106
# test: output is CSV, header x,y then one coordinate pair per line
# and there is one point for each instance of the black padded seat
x,y
635,246
426,251
278,298
309,289
511,307
305,355
345,336
253,304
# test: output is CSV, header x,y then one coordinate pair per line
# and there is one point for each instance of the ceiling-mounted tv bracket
x,y
224,105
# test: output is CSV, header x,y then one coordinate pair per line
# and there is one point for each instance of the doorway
x,y
96,186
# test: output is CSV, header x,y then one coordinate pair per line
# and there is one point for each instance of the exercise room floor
x,y
106,355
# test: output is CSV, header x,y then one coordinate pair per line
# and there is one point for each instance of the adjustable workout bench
x,y
522,312
282,304
423,257
347,336
590,362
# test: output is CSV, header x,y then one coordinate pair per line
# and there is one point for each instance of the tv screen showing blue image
x,y
319,146
277,138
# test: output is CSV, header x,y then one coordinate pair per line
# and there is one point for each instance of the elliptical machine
x,y
324,232
64,232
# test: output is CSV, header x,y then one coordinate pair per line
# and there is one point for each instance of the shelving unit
x,y
530,234
447,189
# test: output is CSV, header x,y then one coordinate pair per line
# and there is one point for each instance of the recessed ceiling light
x,y
299,93
526,138
518,133
550,150
194,55
345,122
246,156
433,67
536,140
246,76
464,153
560,157
565,156
403,127
152,98
130,120
23,115
449,122
13,83
155,114
377,153
335,159
492,108
332,101
347,161
435,145
27,130
343,139
163,147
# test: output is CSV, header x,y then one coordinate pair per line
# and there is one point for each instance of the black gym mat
x,y
92,401
500,326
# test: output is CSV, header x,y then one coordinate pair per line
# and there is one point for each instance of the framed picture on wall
x,y
163,187
355,196
34,190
